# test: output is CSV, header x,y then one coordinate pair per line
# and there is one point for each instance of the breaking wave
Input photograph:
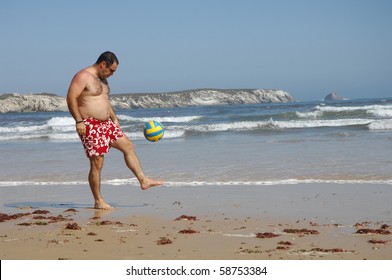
x,y
260,117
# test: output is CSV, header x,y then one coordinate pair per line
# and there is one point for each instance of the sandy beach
x,y
310,221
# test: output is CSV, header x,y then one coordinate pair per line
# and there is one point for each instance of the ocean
x,y
347,142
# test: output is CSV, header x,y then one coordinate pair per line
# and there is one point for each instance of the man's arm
x,y
76,88
113,116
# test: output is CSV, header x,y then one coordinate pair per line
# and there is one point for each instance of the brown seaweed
x,y
373,231
377,241
73,226
5,217
71,210
185,217
164,241
105,223
282,248
25,224
188,231
301,231
287,243
41,212
334,250
266,235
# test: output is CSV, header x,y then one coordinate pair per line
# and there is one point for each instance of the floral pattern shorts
x,y
99,135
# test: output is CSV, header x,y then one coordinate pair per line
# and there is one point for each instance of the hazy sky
x,y
308,48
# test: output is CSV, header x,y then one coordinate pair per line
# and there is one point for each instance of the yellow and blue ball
x,y
153,131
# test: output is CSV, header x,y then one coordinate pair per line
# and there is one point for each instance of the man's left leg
x,y
94,179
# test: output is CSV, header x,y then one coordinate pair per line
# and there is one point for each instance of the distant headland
x,y
47,102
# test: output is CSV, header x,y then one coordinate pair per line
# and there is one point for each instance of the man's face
x,y
107,71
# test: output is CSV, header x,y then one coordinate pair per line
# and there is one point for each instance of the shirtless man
x,y
97,124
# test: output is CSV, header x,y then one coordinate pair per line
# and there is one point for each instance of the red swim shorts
x,y
99,135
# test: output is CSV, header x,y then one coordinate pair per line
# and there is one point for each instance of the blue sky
x,y
308,48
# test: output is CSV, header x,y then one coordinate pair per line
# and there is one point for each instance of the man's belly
x,y
96,111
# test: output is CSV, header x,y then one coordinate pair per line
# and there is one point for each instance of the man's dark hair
x,y
108,57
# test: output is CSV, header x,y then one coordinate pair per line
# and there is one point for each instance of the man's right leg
x,y
126,147
94,179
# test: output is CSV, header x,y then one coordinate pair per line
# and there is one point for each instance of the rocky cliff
x,y
198,97
31,102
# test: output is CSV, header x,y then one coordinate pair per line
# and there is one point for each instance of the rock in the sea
x,y
198,97
332,96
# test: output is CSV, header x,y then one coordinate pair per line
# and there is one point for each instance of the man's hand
x,y
81,128
116,122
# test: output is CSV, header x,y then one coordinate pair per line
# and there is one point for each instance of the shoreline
x,y
278,222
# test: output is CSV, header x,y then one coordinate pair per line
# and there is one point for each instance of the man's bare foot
x,y
102,205
149,183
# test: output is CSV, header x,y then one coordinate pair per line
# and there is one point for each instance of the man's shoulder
x,y
84,73
81,79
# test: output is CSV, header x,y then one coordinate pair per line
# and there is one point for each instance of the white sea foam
x,y
61,122
23,129
159,119
215,127
376,110
40,183
250,235
169,134
134,182
381,113
63,136
57,128
249,125
381,125
314,114
277,182
320,123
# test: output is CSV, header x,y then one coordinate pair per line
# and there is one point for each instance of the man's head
x,y
107,64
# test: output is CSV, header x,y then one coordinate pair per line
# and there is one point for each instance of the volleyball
x,y
153,131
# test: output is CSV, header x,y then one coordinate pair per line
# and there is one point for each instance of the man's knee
x,y
128,148
96,162
130,145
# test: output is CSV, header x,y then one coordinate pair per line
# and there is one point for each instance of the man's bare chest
x,y
97,87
